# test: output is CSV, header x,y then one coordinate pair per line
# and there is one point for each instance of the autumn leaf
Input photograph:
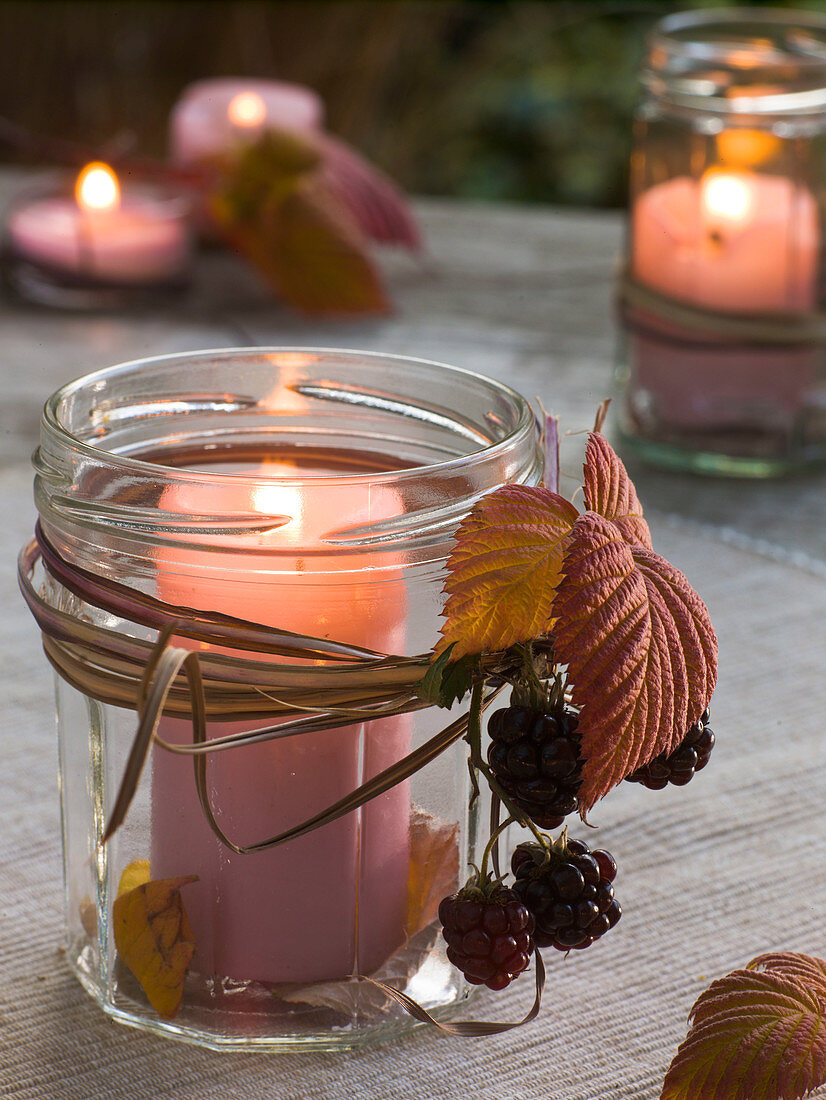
x,y
154,939
133,875
434,868
640,650
275,205
504,569
757,1034
610,492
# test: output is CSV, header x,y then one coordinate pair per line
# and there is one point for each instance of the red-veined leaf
x,y
504,568
755,1035
806,968
640,650
610,492
376,203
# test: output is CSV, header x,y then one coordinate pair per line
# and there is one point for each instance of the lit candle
x,y
213,116
335,901
733,241
135,237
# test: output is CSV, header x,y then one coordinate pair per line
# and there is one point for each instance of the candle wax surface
x,y
335,901
761,258
137,242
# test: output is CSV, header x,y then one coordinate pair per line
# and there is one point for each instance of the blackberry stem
x,y
483,873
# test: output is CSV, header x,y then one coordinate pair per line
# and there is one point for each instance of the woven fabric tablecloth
x,y
710,875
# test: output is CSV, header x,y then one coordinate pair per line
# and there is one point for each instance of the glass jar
x,y
309,490
723,369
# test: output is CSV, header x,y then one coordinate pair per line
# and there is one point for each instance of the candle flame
x,y
97,187
277,498
247,109
726,195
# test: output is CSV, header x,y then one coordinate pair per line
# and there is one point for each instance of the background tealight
x,y
94,244
213,117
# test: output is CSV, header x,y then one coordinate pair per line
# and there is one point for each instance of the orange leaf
x,y
434,868
640,650
276,207
504,569
154,939
610,492
755,1035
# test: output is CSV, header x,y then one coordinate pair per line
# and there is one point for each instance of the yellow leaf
x,y
154,939
505,568
134,874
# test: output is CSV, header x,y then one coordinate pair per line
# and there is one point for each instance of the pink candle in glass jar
x,y
335,901
138,237
213,116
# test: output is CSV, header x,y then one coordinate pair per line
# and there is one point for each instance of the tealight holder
x,y
723,369
284,516
85,244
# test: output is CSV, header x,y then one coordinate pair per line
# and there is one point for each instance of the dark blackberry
x,y
488,932
678,768
535,758
568,891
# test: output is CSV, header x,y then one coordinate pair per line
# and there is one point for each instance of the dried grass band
x,y
804,328
157,677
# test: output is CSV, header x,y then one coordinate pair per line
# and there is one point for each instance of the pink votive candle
x,y
137,237
213,116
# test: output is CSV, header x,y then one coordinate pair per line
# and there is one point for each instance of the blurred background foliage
x,y
517,101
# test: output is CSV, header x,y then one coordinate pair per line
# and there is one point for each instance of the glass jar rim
x,y
60,434
730,58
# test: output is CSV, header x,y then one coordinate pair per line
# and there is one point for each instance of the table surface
x,y
713,873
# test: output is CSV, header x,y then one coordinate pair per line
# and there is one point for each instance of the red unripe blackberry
x,y
535,757
488,932
678,768
568,891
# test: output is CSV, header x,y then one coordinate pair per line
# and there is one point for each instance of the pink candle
x,y
736,242
335,901
136,238
213,116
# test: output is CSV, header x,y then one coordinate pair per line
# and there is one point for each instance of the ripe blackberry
x,y
690,756
568,891
535,757
488,932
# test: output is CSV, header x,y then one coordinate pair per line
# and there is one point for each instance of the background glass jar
x,y
724,366
315,491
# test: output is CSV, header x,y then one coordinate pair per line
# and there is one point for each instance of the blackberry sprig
x,y
568,889
487,927
679,766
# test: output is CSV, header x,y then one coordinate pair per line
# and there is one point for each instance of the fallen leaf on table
x,y
757,1034
154,939
275,205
